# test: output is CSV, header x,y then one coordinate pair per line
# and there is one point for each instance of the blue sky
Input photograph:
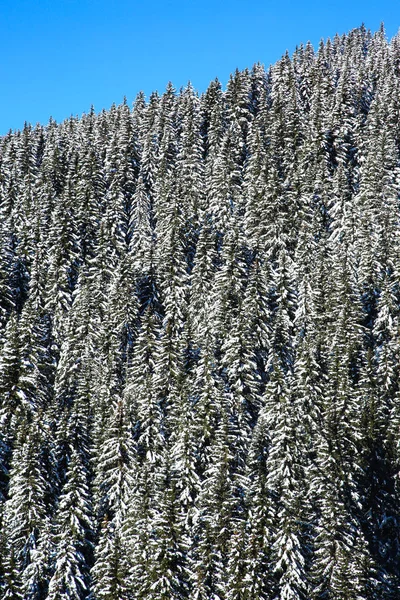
x,y
60,56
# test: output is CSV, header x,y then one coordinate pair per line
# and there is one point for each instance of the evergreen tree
x,y
73,534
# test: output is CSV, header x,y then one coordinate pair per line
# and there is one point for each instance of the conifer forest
x,y
200,339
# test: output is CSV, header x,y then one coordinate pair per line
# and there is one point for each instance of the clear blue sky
x,y
60,56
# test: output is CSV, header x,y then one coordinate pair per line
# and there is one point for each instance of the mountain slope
x,y
200,340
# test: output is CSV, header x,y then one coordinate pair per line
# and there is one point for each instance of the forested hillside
x,y
200,340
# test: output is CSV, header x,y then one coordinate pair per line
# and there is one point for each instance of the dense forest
x,y
200,339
